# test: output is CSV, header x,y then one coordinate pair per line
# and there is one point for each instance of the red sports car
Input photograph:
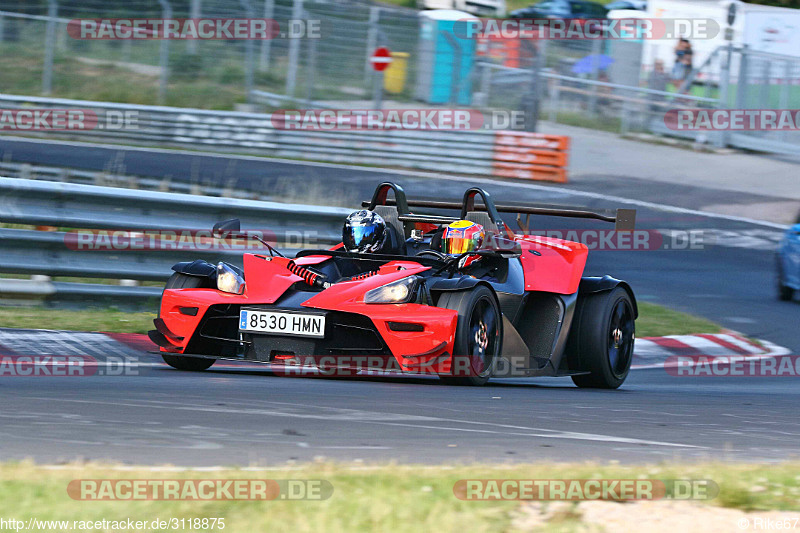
x,y
518,305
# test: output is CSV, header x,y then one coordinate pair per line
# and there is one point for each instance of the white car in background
x,y
487,8
638,5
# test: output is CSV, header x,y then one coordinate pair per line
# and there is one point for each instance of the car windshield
x,y
587,8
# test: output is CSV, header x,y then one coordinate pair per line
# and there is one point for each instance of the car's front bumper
x,y
408,337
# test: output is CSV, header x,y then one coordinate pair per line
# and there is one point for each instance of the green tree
x,y
794,4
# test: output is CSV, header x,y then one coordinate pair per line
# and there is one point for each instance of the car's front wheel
x,y
605,339
785,293
182,362
479,335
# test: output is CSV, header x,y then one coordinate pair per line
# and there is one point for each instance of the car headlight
x,y
228,280
396,292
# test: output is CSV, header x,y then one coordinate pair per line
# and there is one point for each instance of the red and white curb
x,y
653,352
649,352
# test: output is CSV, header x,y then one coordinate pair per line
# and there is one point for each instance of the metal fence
x,y
551,79
623,99
746,79
190,72
65,208
588,102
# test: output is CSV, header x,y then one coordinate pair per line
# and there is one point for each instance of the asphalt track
x,y
234,416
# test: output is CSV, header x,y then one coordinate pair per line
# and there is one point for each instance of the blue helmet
x,y
364,232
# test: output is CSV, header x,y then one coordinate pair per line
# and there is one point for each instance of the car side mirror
x,y
226,226
505,245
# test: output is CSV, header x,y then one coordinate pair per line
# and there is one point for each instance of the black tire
x,y
184,281
182,362
605,338
479,335
785,293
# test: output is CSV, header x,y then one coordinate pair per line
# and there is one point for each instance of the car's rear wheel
x,y
785,293
478,337
182,362
605,339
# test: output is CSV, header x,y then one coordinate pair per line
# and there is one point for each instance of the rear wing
x,y
623,219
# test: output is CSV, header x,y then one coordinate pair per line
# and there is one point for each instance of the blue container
x,y
443,49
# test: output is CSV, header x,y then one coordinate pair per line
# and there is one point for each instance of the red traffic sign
x,y
381,58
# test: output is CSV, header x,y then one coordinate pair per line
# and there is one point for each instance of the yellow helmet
x,y
462,236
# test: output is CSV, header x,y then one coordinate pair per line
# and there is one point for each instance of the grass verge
x,y
373,498
110,320
657,321
654,320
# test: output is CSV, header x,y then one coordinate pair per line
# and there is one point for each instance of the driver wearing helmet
x,y
463,236
365,232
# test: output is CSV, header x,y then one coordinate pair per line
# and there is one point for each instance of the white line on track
x,y
373,417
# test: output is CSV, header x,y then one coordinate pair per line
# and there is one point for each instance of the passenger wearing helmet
x,y
463,236
365,232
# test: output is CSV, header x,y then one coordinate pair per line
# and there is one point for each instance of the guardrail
x,y
130,214
113,179
466,152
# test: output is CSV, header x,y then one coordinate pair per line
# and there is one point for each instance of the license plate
x,y
282,323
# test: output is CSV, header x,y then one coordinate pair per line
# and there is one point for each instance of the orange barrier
x,y
532,156
504,51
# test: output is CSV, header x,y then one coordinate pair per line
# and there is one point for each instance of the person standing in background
x,y
683,61
657,81
658,78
